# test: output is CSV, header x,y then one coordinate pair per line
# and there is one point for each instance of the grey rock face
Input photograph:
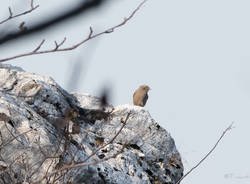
x,y
32,149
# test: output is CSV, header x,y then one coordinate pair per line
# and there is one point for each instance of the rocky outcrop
x,y
107,147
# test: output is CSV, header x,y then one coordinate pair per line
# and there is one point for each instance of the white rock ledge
x,y
32,148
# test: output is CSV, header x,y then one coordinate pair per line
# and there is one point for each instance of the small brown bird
x,y
140,96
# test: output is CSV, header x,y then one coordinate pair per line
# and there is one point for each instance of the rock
x,y
110,149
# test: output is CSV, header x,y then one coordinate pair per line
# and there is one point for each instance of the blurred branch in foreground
x,y
78,67
90,36
83,7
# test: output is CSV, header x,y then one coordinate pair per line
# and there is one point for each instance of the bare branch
x,y
84,7
90,36
10,13
94,162
90,32
39,46
84,163
101,147
15,137
205,157
31,4
11,133
32,8
126,19
60,44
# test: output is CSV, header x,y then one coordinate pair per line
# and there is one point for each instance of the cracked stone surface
x,y
33,147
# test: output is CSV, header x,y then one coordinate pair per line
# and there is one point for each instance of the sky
x,y
193,54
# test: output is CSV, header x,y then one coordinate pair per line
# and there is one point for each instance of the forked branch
x,y
11,16
89,37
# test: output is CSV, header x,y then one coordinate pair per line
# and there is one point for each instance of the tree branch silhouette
x,y
11,16
89,37
83,7
205,157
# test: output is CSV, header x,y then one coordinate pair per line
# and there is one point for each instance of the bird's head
x,y
145,88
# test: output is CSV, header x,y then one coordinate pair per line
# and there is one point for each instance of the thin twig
x,y
12,133
32,8
84,163
89,37
60,44
80,146
66,14
39,46
204,158
10,12
101,147
90,32
32,4
9,141
94,162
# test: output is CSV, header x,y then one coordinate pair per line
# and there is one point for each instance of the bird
x,y
140,96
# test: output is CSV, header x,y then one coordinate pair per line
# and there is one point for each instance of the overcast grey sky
x,y
193,54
